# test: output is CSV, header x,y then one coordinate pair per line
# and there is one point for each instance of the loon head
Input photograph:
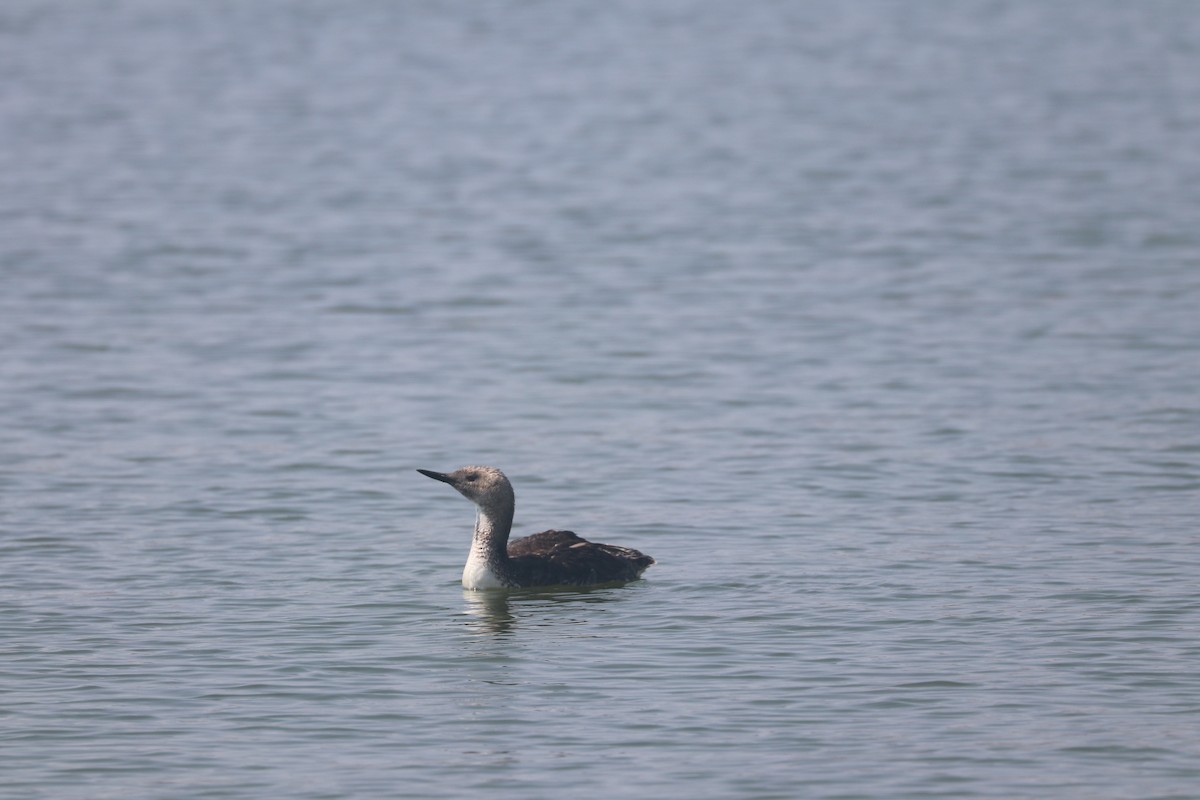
x,y
486,487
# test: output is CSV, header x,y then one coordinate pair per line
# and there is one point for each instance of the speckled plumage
x,y
549,558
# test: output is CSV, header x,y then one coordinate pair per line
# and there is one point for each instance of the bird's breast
x,y
479,574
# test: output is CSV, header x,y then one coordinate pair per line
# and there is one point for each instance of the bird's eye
x,y
472,477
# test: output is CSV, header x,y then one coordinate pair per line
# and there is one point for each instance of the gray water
x,y
874,322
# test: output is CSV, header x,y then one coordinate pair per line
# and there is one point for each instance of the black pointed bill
x,y
437,476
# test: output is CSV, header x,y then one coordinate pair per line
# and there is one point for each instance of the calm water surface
x,y
875,323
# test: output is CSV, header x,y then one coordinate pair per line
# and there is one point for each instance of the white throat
x,y
479,572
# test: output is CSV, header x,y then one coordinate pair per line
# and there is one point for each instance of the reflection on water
x,y
488,612
875,322
500,611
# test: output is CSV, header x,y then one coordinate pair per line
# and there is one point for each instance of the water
x,y
874,323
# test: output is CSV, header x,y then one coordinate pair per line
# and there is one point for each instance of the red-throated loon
x,y
549,558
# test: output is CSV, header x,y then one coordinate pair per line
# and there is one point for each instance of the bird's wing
x,y
561,557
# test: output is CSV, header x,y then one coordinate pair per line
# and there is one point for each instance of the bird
x,y
549,558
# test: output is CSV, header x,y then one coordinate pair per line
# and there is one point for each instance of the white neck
x,y
486,553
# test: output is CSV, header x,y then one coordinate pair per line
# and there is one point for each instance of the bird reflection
x,y
489,612
497,613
